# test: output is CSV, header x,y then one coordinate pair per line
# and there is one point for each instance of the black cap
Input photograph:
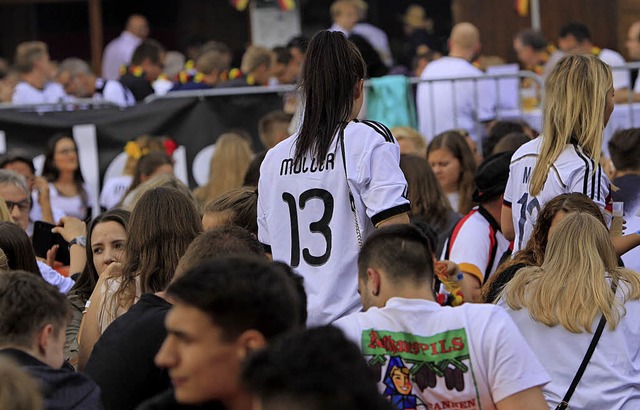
x,y
491,177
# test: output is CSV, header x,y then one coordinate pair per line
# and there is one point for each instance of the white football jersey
x,y
573,171
476,244
305,216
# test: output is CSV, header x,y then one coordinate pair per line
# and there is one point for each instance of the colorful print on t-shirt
x,y
420,372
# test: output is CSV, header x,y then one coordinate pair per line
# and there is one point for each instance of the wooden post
x,y
95,28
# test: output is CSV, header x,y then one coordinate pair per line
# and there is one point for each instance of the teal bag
x,y
390,101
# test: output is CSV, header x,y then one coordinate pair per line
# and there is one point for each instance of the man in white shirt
x,y
575,38
633,48
33,64
431,357
119,51
15,192
78,80
445,105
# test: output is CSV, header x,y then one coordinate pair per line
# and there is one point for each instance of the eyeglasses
x,y
23,205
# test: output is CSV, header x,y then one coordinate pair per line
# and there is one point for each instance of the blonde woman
x,y
229,164
410,141
578,102
558,305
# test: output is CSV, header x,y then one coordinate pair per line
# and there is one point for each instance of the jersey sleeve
x,y
469,248
383,186
509,190
512,366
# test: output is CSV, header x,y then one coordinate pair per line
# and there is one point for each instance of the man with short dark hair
x,y
312,369
122,359
146,66
471,356
534,52
575,38
624,148
33,322
223,310
273,128
633,50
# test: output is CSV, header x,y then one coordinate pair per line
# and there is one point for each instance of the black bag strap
x,y
587,357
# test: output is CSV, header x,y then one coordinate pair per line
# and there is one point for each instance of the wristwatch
x,y
78,240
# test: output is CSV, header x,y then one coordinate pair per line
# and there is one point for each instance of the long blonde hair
x,y
5,213
570,288
228,166
574,105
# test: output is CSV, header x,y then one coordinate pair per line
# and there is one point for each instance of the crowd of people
x,y
346,266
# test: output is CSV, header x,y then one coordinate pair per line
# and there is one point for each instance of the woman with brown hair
x,y
162,225
428,202
453,164
67,190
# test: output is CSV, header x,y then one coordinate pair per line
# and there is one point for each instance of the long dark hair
x,y
427,198
87,280
49,170
162,225
17,247
51,173
332,67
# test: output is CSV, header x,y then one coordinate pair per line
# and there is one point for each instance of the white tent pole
x,y
535,14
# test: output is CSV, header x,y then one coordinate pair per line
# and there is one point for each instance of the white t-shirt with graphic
x,y
573,171
305,216
434,357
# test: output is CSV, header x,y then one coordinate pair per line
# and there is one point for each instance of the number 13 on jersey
x,y
320,226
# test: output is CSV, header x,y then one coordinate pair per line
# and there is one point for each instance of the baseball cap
x,y
491,177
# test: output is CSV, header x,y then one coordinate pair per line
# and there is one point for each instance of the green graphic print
x,y
427,360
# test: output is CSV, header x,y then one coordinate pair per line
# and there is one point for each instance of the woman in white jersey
x,y
559,305
323,190
578,102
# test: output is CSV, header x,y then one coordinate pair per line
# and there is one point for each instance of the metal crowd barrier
x,y
88,104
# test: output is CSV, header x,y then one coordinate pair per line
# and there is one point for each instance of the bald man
x,y
119,51
444,105
633,49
